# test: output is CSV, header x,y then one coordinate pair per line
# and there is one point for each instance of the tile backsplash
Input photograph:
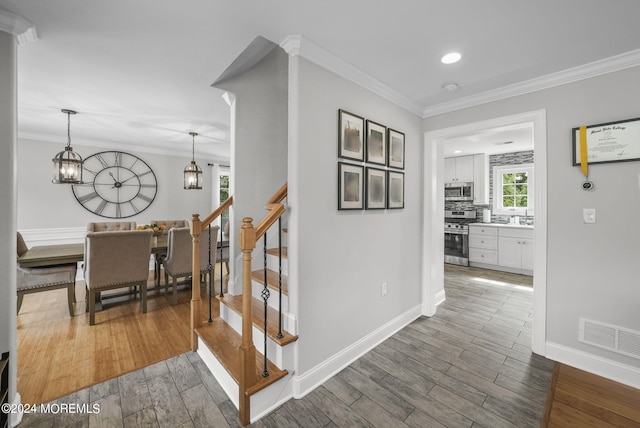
x,y
515,158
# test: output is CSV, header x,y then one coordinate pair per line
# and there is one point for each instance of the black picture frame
x,y
609,142
376,185
395,151
350,186
376,143
395,189
350,136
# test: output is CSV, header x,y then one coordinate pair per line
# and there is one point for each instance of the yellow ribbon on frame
x,y
584,159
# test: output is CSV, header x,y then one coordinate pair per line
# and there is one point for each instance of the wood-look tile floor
x,y
468,366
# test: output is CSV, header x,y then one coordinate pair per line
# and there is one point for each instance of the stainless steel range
x,y
456,236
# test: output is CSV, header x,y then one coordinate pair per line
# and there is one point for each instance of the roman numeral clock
x,y
116,185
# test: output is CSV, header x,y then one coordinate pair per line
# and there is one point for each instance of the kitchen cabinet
x,y
470,169
481,179
501,247
516,248
459,169
483,244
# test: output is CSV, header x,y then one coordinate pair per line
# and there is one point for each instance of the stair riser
x,y
272,263
256,291
281,356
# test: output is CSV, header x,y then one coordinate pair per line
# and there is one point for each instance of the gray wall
x,y
42,204
592,269
342,257
258,139
8,127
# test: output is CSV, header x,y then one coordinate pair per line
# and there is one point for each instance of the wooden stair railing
x,y
197,226
248,238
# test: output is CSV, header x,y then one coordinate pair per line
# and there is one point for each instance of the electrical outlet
x,y
383,289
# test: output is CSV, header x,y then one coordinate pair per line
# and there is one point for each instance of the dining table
x,y
60,254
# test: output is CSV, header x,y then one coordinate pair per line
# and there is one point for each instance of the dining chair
x,y
178,261
37,279
116,259
111,226
168,224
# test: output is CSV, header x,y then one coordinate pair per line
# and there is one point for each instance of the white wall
x,y
339,259
258,140
8,127
44,205
592,269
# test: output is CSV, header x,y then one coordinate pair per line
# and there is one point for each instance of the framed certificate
x,y
609,142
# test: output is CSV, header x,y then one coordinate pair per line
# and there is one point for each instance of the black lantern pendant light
x,y
192,172
67,165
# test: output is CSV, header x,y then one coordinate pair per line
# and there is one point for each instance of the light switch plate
x,y
589,215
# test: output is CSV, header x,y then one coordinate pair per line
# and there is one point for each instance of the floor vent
x,y
611,337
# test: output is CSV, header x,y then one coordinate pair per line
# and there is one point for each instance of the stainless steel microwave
x,y
458,192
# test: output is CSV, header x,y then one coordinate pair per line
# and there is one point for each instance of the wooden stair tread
x,y
224,342
274,252
272,279
257,312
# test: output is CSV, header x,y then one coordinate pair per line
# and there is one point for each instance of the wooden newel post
x,y
248,377
196,307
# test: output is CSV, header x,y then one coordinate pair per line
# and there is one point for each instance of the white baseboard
x,y
440,297
307,382
613,370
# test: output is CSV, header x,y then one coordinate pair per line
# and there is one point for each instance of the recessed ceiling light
x,y
457,151
451,58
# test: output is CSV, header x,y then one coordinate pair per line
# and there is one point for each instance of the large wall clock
x,y
116,185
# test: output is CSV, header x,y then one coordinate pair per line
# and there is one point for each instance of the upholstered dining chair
x,y
111,226
37,279
178,261
168,224
116,259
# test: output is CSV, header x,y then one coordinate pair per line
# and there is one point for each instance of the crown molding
x,y
586,71
19,27
108,145
298,45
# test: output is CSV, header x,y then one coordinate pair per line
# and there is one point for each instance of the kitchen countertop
x,y
512,226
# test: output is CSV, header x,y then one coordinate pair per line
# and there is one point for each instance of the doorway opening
x,y
434,208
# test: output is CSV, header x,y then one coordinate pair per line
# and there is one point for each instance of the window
x,y
224,195
513,189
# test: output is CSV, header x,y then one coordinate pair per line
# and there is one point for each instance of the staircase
x,y
234,344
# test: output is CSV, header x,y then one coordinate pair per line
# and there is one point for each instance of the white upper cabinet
x,y
458,169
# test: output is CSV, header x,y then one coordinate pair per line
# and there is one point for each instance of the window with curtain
x,y
224,195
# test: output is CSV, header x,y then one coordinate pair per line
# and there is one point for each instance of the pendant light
x,y
67,165
192,172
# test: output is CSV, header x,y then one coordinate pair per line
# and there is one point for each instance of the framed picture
x,y
376,143
396,149
376,180
395,189
350,136
350,186
609,142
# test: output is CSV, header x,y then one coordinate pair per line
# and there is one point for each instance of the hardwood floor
x,y
583,399
58,355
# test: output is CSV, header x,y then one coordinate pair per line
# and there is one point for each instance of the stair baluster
x,y
210,271
221,270
280,335
265,298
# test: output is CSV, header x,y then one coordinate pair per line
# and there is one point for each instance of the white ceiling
x,y
139,72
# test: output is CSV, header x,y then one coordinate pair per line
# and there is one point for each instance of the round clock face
x,y
116,185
